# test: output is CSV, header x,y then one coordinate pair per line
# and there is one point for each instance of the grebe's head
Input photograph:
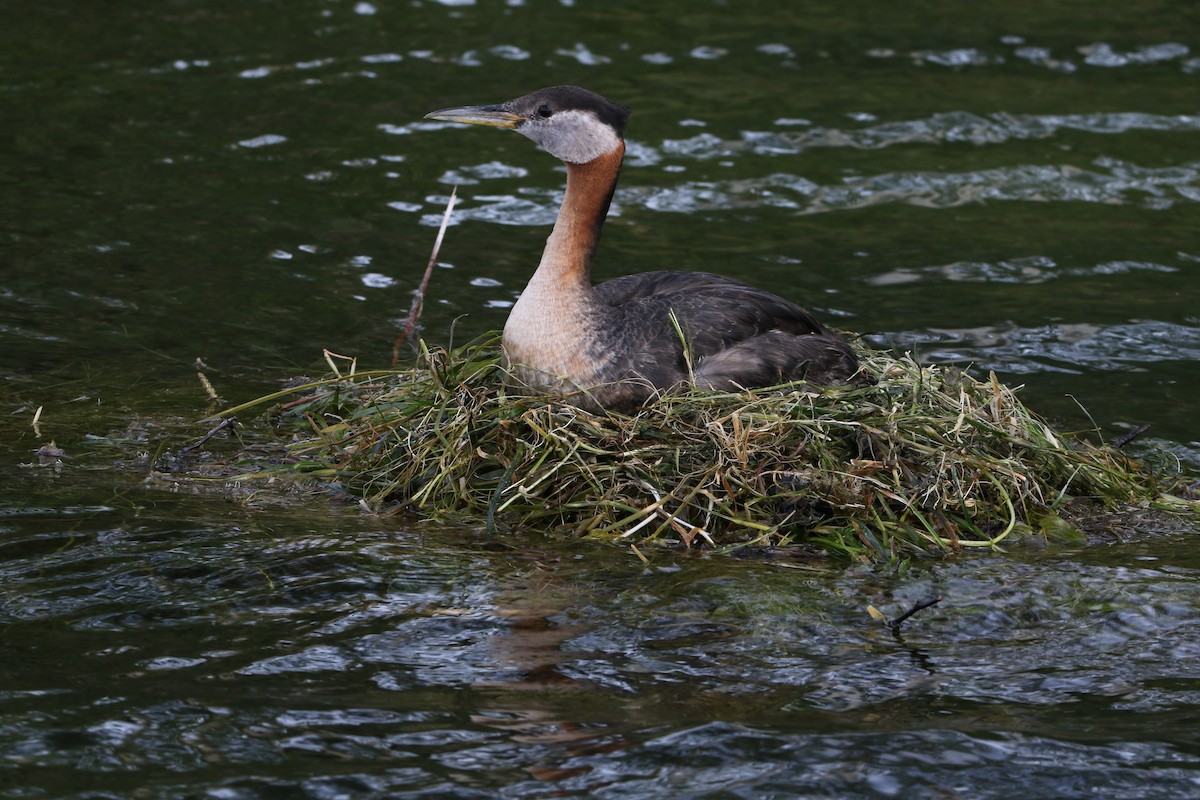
x,y
572,124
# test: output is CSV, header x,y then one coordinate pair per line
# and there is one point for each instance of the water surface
x,y
1013,189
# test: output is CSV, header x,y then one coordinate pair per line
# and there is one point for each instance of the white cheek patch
x,y
573,136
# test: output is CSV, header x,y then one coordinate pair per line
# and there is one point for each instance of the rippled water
x,y
227,188
240,662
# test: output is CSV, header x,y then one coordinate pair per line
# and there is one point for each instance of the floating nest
x,y
926,460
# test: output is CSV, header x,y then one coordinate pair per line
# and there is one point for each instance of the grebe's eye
x,y
544,111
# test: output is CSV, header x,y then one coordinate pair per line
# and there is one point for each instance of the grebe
x,y
617,344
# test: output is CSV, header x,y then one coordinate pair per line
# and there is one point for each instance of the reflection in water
x,y
442,661
1024,270
1112,182
1062,347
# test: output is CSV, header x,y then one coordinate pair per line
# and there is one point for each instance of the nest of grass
x,y
927,460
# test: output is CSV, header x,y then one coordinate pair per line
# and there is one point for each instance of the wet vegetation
x,y
923,461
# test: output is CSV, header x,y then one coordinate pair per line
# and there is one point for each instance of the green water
x,y
1014,187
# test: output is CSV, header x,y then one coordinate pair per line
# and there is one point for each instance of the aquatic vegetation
x,y
926,460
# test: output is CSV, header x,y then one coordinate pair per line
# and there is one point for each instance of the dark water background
x,y
1014,186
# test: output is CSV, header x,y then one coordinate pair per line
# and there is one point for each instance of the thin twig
x,y
414,313
1121,441
208,387
225,423
920,606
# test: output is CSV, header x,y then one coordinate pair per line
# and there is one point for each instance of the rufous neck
x,y
568,254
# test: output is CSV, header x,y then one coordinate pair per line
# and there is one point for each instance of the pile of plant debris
x,y
926,460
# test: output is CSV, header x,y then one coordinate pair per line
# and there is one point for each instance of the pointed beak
x,y
492,116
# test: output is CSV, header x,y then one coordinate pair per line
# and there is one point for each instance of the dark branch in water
x,y
1121,441
414,313
225,423
920,606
